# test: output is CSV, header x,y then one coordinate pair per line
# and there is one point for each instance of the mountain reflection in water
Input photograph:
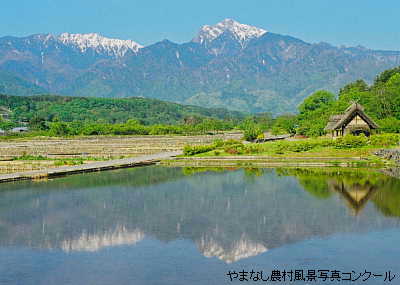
x,y
228,214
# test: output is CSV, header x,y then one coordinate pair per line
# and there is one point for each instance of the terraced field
x,y
89,148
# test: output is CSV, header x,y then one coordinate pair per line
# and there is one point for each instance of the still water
x,y
159,225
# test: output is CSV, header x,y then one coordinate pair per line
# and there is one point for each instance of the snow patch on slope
x,y
95,242
100,44
243,33
243,248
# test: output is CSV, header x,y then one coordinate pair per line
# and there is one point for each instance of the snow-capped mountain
x,y
113,47
241,32
230,64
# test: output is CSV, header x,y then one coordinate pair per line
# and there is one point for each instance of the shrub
x,y
29,157
285,124
254,148
280,147
164,130
385,140
218,142
59,129
196,149
301,146
221,143
260,136
278,131
390,125
327,142
296,146
350,141
234,149
232,142
251,132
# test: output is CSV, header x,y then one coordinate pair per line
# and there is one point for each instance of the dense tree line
x,y
133,127
53,108
60,115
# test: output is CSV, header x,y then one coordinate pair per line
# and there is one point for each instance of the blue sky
x,y
371,23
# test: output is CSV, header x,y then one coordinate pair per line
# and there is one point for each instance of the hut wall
x,y
358,121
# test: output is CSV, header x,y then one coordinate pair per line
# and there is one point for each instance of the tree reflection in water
x,y
355,186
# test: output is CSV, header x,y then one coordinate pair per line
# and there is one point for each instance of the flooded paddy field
x,y
173,225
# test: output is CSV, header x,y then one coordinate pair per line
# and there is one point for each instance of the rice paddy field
x,y
43,152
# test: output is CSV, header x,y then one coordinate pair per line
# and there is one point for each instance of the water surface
x,y
158,225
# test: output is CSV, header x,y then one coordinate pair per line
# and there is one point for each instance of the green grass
x,y
30,157
272,151
325,150
57,161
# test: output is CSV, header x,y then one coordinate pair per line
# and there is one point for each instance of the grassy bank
x,y
349,150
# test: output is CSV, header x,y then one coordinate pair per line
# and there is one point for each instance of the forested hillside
x,y
53,108
10,84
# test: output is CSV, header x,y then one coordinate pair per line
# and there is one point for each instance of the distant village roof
x,y
338,121
4,110
19,129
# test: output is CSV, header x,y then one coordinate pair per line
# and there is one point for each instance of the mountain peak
x,y
115,47
243,33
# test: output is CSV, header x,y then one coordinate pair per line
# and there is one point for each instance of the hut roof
x,y
20,129
333,120
338,121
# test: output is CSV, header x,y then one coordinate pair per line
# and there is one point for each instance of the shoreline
x,y
268,161
174,159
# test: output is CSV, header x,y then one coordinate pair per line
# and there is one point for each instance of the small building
x,y
19,130
4,113
354,121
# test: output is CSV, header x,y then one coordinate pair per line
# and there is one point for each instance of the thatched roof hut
x,y
353,121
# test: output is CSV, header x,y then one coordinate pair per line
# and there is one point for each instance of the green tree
x,y
386,75
251,132
316,101
59,129
38,123
285,124
356,86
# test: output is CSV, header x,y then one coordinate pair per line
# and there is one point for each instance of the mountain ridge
x,y
237,66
